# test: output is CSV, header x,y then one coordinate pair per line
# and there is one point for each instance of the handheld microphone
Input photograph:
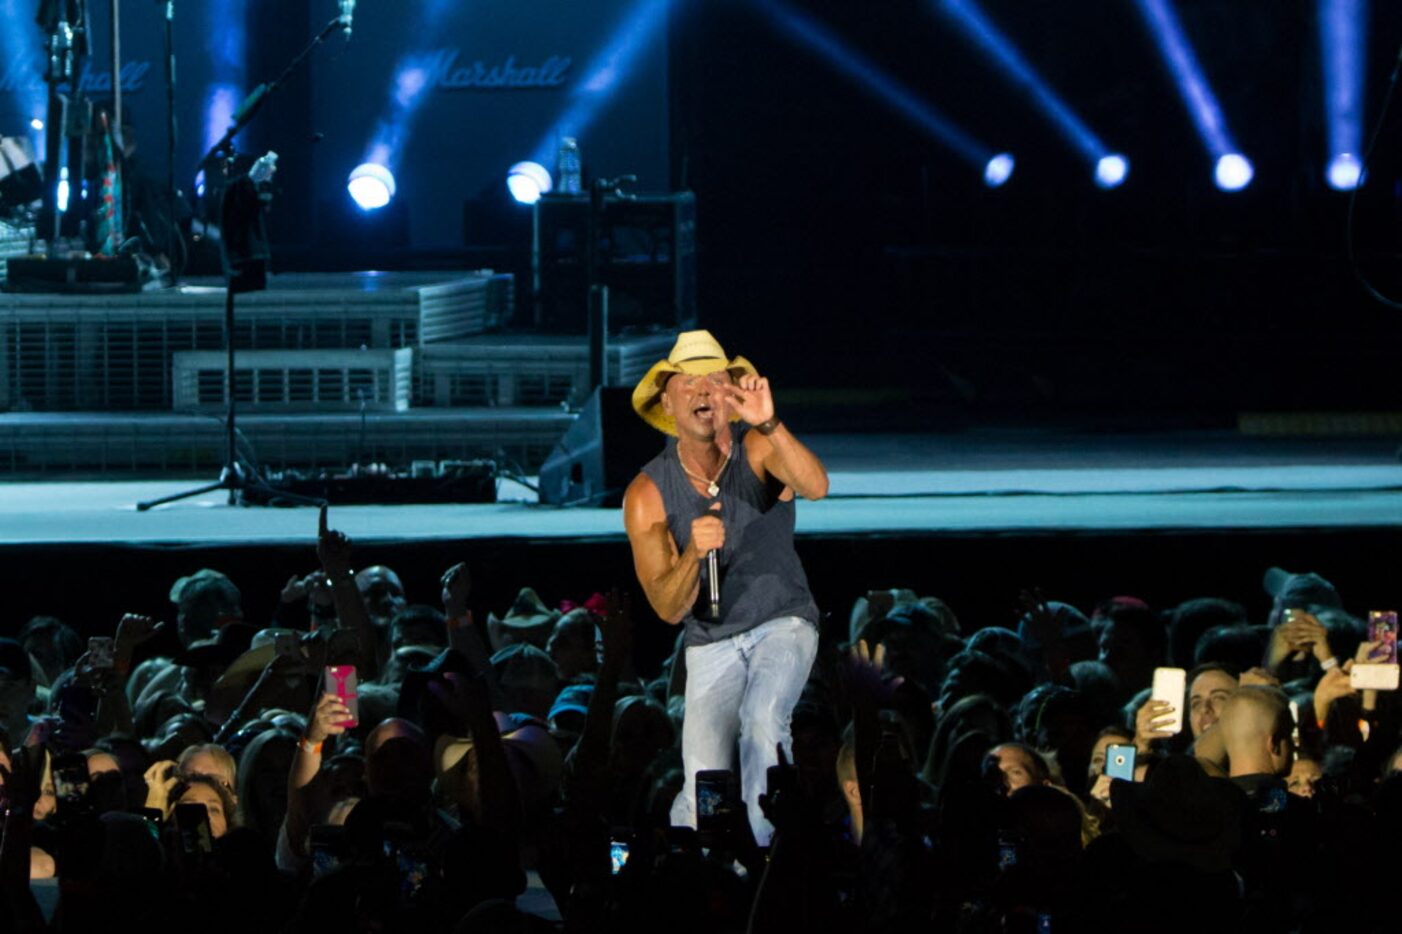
x,y
347,15
713,578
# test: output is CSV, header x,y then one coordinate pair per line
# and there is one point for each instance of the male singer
x,y
725,482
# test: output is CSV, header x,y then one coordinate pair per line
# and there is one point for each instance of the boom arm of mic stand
x,y
255,101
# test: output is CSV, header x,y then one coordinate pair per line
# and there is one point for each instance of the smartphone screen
x,y
70,780
192,828
340,680
1382,628
1119,762
1171,685
716,800
618,856
101,652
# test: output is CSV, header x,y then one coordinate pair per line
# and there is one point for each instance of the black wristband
x,y
768,428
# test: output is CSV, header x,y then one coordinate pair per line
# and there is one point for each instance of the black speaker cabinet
x,y
600,454
647,258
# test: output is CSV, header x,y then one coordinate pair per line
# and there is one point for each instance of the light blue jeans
x,y
744,688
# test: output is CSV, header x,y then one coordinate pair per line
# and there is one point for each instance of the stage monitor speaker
x,y
600,454
647,258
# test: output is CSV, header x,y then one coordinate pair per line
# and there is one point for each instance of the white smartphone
x,y
1171,685
1373,677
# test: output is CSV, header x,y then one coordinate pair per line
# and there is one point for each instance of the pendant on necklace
x,y
712,490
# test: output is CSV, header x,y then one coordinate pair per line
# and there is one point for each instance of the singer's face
x,y
697,403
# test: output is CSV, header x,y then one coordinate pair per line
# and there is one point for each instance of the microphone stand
x,y
236,476
224,148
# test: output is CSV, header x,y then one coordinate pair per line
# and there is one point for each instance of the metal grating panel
x,y
109,444
470,306
289,380
113,353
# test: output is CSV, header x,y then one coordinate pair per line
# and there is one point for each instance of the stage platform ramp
x,y
333,369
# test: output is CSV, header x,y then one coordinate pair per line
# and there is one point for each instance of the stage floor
x,y
922,485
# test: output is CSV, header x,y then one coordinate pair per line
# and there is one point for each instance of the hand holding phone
x,y
717,800
340,680
102,653
1380,671
1171,686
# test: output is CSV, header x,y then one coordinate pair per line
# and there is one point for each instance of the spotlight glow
x,y
1111,170
999,169
63,189
609,69
808,32
410,85
371,186
37,124
527,181
1345,172
1343,47
1233,172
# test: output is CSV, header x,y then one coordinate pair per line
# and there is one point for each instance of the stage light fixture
x,y
527,181
371,186
981,31
809,33
1343,47
999,169
63,189
1111,170
1345,172
1233,172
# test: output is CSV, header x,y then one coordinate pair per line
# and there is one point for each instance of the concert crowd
x,y
516,773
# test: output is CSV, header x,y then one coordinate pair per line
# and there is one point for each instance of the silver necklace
x,y
713,484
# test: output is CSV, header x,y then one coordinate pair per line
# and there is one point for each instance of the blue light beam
x,y
226,43
1343,43
884,87
604,74
408,89
982,32
1231,170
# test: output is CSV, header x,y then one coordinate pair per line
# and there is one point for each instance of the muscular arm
x,y
670,580
788,460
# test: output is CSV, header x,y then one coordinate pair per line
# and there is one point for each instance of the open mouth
x,y
702,411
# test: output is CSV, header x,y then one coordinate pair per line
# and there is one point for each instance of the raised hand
x,y
750,398
1150,722
332,548
327,719
133,629
457,585
161,780
1334,685
864,673
294,590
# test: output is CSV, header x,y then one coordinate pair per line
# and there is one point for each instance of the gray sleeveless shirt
x,y
761,577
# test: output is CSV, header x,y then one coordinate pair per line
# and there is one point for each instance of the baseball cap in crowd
x,y
1300,591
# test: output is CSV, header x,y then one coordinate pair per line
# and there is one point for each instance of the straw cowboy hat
x,y
696,353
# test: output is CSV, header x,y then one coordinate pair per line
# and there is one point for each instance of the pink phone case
x,y
340,680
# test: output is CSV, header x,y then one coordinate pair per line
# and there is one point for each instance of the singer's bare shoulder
x,y
643,509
